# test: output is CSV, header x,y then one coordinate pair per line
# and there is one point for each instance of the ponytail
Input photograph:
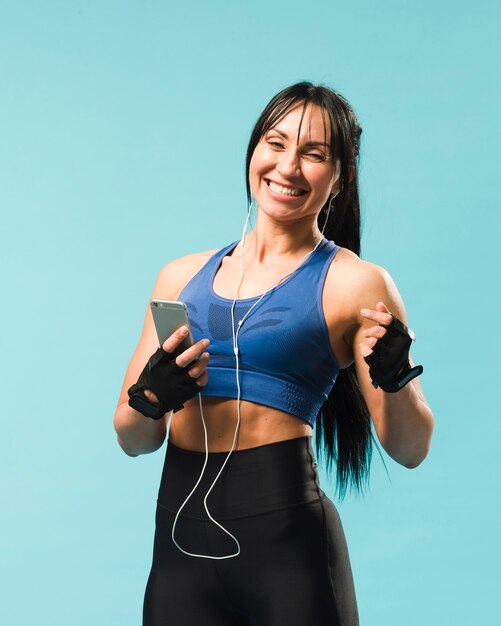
x,y
343,433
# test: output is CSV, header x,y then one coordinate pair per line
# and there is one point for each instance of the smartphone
x,y
169,315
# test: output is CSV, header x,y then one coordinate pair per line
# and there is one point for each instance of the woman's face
x,y
290,179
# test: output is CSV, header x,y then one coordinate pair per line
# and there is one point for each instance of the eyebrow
x,y
308,143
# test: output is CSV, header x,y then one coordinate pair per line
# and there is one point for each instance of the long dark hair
x,y
343,422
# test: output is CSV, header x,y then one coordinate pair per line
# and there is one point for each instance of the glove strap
x,y
405,375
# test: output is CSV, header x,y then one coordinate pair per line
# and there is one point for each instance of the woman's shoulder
x,y
174,275
351,275
189,261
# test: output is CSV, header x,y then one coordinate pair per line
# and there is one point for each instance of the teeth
x,y
286,191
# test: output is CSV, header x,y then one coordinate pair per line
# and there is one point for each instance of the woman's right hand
x,y
197,370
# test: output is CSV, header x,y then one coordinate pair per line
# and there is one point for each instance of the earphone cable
x,y
235,333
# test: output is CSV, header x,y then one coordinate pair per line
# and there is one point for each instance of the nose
x,y
288,163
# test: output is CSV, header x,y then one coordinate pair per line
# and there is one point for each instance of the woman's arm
x,y
403,420
137,434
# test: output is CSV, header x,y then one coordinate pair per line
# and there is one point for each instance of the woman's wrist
x,y
136,433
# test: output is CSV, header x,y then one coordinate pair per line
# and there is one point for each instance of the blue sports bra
x,y
285,356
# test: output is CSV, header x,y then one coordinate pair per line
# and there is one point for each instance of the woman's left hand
x,y
381,315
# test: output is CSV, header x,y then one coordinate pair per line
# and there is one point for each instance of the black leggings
x,y
293,568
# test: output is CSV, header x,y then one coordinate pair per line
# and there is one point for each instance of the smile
x,y
285,191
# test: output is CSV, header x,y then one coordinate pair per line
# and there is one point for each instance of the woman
x,y
290,329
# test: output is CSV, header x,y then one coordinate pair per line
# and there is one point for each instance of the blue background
x,y
123,134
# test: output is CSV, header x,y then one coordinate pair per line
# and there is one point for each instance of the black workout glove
x,y
171,384
389,366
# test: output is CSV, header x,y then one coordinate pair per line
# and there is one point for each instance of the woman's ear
x,y
337,186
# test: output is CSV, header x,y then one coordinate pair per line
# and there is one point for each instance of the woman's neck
x,y
268,241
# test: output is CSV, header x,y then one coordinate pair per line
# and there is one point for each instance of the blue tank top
x,y
285,356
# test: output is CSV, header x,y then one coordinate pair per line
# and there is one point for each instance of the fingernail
x,y
364,311
205,342
183,331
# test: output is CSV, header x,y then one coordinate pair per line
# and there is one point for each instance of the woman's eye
x,y
275,144
316,156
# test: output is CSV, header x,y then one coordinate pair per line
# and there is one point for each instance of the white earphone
x,y
235,332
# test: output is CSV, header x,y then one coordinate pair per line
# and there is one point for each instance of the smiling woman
x,y
291,330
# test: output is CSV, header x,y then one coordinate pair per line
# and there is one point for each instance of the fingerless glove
x,y
170,383
389,366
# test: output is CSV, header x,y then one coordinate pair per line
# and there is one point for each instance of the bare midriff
x,y
259,425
